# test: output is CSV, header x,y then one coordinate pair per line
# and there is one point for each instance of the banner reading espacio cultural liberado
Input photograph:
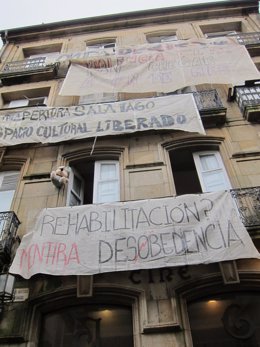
x,y
155,233
56,124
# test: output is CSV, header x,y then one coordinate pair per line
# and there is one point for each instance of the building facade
x,y
213,304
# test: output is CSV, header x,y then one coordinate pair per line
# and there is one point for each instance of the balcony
x,y
28,70
247,39
8,227
248,99
210,107
248,204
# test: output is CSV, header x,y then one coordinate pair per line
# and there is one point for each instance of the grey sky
x,y
20,13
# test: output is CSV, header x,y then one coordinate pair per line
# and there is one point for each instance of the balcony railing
x,y
248,100
208,100
21,71
248,204
8,228
247,38
210,107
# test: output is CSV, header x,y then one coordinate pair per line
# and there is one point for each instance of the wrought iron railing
x,y
8,228
248,96
24,65
247,38
208,100
248,204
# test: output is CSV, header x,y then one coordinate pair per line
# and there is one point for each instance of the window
x,y
26,98
41,101
97,98
222,29
197,172
227,320
88,325
8,183
94,182
41,51
160,38
220,34
211,172
101,48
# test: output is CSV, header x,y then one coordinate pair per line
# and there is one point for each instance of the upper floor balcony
x,y
8,228
247,39
210,107
28,70
248,204
248,100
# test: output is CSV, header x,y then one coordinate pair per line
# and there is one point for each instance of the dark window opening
x,y
228,320
184,172
86,171
88,326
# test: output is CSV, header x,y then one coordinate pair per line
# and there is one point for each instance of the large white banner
x,y
90,239
46,125
161,68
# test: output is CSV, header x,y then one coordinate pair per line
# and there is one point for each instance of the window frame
x,y
98,180
80,197
221,169
14,184
102,47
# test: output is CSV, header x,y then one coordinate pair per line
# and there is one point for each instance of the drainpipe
x,y
5,42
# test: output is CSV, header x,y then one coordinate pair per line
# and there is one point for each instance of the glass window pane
x,y
88,326
230,320
6,198
209,162
74,200
76,185
214,181
107,191
107,171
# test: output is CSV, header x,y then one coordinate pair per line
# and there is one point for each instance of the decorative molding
x,y
84,286
145,165
161,328
229,272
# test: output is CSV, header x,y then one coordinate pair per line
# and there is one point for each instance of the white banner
x,y
48,125
90,239
162,68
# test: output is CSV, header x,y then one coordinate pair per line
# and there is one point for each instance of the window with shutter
x,y
106,181
197,172
8,183
94,182
211,171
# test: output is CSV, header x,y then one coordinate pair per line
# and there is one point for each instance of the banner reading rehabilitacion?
x,y
162,68
48,125
90,239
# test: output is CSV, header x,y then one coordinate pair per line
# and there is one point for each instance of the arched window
x,y
88,325
226,320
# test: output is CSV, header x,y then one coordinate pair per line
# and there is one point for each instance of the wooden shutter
x,y
106,181
211,171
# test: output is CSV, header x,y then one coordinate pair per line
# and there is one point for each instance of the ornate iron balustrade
x,y
248,204
208,100
24,65
8,228
247,96
247,38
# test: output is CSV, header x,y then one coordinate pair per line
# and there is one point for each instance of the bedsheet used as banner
x,y
56,124
156,233
161,68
